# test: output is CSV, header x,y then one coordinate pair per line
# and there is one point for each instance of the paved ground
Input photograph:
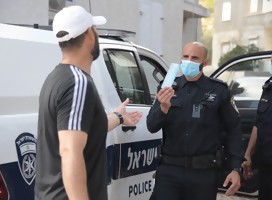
x,y
223,197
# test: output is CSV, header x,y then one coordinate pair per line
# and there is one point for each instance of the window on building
x,y
225,48
253,41
253,6
226,11
267,6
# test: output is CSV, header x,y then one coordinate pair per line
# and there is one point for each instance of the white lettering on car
x,y
140,188
148,157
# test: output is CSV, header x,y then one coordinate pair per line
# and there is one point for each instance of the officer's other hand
x,y
234,179
164,96
247,168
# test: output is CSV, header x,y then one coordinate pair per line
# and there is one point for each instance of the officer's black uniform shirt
x,y
264,125
194,122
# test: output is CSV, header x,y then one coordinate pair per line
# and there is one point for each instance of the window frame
x,y
146,93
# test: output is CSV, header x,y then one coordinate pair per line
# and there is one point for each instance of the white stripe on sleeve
x,y
78,99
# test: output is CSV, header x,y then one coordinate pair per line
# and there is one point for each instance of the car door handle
x,y
128,128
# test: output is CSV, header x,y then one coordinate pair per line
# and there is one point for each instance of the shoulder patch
x,y
218,81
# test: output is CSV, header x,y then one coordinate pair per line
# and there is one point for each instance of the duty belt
x,y
194,162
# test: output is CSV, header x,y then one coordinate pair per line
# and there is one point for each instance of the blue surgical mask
x,y
190,69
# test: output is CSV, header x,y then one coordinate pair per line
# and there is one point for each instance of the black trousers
x,y
265,184
178,183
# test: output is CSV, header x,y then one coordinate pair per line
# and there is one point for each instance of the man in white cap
x,y
73,125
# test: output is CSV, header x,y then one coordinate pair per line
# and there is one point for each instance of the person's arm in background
x,y
158,111
71,146
247,165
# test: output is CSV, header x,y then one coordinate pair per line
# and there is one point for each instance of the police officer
x,y
191,117
260,143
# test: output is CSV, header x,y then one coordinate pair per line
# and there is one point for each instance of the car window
x,y
153,75
125,75
245,80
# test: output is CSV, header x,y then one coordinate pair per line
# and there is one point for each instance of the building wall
x,y
248,24
24,11
159,25
171,30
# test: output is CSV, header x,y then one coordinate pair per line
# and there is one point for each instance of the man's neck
x,y
81,61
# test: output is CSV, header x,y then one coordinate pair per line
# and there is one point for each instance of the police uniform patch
x,y
264,100
211,97
232,101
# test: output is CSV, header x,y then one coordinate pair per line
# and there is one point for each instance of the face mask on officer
x,y
190,69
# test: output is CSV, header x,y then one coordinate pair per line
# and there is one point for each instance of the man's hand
x,y
247,168
130,118
234,179
164,96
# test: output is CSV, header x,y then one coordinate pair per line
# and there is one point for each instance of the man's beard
x,y
95,51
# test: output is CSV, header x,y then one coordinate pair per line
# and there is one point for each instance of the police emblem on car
x,y
26,152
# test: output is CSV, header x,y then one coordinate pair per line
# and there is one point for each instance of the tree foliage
x,y
207,27
207,3
237,51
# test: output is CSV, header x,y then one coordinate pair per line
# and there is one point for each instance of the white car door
x,y
132,151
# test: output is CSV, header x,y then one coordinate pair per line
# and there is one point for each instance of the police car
x,y
123,70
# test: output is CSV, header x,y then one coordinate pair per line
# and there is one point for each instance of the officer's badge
x,y
264,100
232,101
210,97
26,152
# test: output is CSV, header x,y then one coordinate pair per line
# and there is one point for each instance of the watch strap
x,y
120,117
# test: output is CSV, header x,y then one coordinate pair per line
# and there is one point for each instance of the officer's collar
x,y
201,82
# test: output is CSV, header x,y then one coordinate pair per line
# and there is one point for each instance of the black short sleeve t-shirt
x,y
69,101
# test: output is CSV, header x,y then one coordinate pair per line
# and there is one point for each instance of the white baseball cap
x,y
74,20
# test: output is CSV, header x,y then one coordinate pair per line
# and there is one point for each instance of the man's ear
x,y
205,63
90,34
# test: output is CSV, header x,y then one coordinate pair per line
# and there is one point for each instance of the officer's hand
x,y
164,96
234,179
247,168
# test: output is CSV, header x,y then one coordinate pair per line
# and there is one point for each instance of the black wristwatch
x,y
120,117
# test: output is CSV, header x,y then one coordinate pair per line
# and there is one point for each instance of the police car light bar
x,y
115,33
